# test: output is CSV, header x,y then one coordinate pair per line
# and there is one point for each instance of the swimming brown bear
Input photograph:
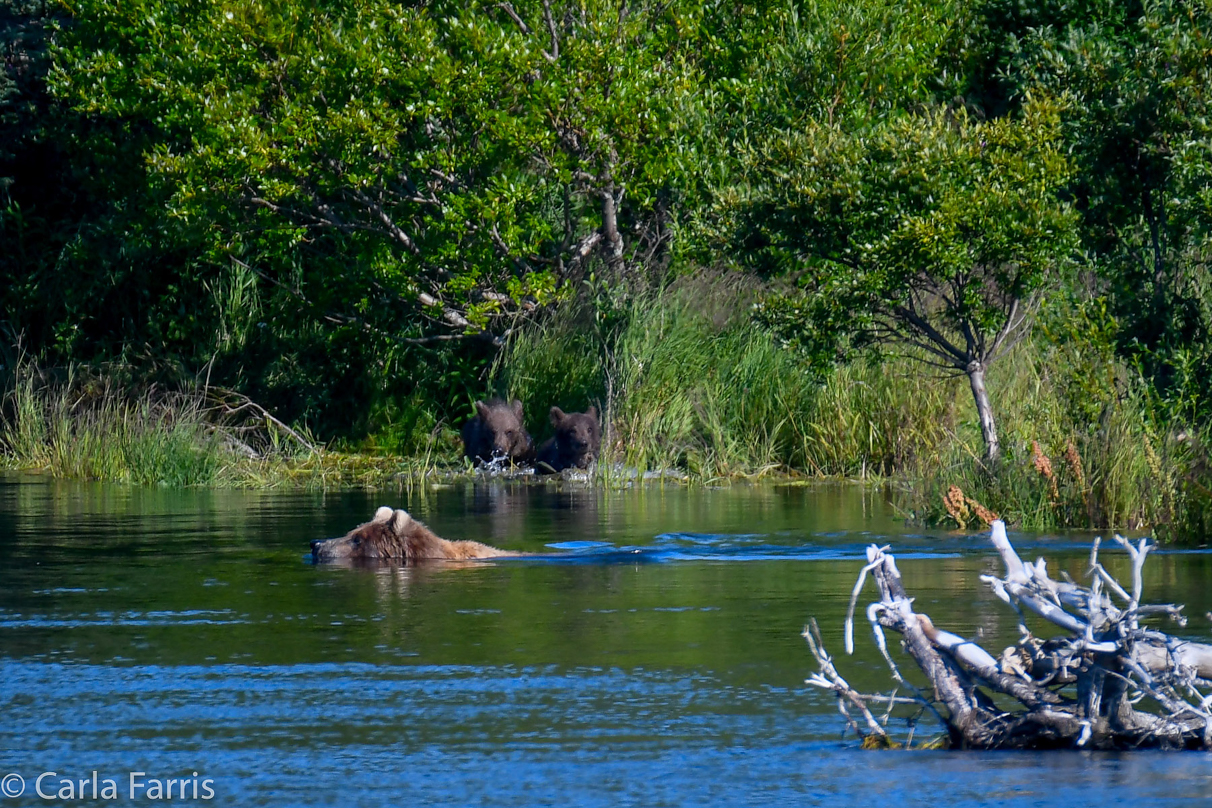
x,y
496,432
576,443
396,535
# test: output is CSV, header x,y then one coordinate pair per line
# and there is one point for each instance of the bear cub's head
x,y
497,431
385,536
578,436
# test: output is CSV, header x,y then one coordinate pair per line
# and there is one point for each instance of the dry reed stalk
x,y
1161,478
1074,461
954,503
962,507
1043,465
984,514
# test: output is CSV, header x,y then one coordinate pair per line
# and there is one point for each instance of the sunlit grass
x,y
88,429
680,388
1117,464
74,429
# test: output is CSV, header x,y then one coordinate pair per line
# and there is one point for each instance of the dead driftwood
x,y
246,427
1105,682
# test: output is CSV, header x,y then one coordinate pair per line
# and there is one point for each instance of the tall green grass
x,y
686,380
1086,444
91,427
91,431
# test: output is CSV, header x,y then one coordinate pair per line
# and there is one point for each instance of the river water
x,y
653,658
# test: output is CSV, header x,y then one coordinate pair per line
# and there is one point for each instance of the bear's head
x,y
384,536
578,435
504,429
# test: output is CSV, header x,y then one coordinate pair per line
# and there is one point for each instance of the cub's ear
x,y
383,514
592,412
557,415
400,521
482,409
517,409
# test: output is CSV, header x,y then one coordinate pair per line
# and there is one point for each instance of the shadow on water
x,y
649,655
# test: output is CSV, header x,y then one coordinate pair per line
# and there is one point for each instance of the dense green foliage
x,y
334,207
744,231
1135,79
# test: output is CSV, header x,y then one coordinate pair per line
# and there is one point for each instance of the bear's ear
x,y
383,514
517,409
557,415
592,412
400,521
482,409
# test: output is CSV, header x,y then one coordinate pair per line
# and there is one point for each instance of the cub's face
x,y
504,426
369,540
578,432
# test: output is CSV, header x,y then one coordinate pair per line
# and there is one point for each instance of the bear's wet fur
x,y
576,443
497,432
395,535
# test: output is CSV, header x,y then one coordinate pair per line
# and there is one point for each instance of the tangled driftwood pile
x,y
1106,682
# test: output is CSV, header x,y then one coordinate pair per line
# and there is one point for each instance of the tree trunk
x,y
976,378
610,229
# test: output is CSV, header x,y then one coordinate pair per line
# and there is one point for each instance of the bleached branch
x,y
1104,652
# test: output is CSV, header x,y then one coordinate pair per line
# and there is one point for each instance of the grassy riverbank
x,y
82,425
687,380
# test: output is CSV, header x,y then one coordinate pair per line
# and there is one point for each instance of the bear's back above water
x,y
576,443
396,535
495,432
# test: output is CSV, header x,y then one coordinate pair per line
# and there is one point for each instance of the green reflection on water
x,y
723,581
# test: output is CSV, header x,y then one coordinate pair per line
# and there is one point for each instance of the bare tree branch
x,y
513,15
554,53
948,349
338,318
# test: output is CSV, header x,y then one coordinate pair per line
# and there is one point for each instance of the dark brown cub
x,y
576,443
496,432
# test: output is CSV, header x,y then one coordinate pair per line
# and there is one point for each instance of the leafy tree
x,y
933,230
37,191
775,66
1134,80
23,65
614,110
439,150
363,196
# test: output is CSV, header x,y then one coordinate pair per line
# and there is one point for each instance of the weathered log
x,y
1074,690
